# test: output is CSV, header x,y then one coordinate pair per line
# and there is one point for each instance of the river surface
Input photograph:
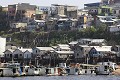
x,y
80,77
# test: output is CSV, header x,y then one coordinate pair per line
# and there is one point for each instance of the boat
x,y
105,68
10,69
56,71
40,71
81,69
87,69
69,70
29,70
72,71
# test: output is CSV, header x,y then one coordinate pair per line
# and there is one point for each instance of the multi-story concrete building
x,y
57,9
5,9
3,18
12,11
82,12
92,8
110,2
105,10
42,12
21,11
83,19
65,16
104,1
69,11
116,9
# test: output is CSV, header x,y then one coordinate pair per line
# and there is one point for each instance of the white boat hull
x,y
40,71
8,72
86,72
30,72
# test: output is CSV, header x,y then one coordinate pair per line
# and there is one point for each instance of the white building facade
x,y
2,45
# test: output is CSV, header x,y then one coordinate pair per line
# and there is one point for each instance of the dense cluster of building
x,y
82,51
26,17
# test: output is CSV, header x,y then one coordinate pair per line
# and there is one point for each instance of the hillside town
x,y
26,17
70,25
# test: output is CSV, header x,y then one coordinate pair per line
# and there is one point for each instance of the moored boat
x,y
87,69
72,71
10,69
29,70
40,71
56,71
105,68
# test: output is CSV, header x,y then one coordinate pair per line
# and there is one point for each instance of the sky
x,y
79,3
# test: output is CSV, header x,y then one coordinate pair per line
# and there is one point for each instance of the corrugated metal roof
x,y
39,20
103,48
45,48
73,42
67,48
11,50
63,45
98,40
65,52
25,49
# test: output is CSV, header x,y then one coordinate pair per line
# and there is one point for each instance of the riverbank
x,y
117,71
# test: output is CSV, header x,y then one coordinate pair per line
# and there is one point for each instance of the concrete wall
x,y
2,45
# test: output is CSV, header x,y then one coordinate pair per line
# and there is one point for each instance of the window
x,y
119,11
91,71
16,55
10,55
68,70
103,10
77,54
13,12
20,54
105,68
114,12
76,70
7,54
95,10
23,11
9,11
